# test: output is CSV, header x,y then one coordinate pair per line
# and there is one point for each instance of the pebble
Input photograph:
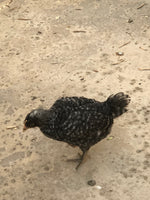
x,y
119,53
130,20
91,182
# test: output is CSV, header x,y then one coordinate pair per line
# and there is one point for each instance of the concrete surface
x,y
50,49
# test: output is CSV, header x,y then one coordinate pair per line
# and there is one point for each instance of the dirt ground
x,y
50,49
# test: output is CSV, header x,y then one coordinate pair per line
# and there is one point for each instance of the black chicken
x,y
78,121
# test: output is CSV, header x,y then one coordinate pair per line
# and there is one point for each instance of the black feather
x,y
79,121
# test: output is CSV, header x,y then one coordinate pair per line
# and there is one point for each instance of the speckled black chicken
x,y
78,121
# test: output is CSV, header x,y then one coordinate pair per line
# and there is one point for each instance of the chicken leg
x,y
80,159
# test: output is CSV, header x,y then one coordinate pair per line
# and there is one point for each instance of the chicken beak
x,y
25,128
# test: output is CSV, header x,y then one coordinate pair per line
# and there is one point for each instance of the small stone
x,y
28,172
130,20
33,98
98,187
139,150
39,32
91,182
119,53
82,79
46,168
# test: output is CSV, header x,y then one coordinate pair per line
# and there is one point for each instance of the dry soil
x,y
50,49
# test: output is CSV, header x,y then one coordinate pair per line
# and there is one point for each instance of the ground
x,y
50,49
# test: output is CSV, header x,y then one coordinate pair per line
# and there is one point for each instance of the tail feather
x,y
118,103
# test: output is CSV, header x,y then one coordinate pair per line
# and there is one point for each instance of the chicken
x,y
78,121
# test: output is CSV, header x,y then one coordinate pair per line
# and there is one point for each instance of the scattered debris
x,y
42,100
6,4
143,48
125,44
57,17
141,6
33,98
110,137
129,34
130,20
119,53
54,63
79,31
91,182
39,32
11,9
98,187
94,70
11,127
24,19
78,9
139,150
122,60
144,69
81,79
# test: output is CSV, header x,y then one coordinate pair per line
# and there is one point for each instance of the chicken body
x,y
78,121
